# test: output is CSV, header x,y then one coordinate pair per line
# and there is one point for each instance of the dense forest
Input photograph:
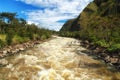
x,y
99,23
15,30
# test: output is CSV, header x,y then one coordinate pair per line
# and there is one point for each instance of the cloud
x,y
51,12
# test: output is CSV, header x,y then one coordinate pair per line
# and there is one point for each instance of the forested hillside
x,y
99,23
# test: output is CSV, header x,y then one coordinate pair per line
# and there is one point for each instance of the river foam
x,y
56,59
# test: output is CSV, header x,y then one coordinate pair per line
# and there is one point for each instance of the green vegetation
x,y
15,30
99,23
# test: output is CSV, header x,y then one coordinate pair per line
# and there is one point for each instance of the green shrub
x,y
17,39
48,35
2,43
43,37
35,36
101,43
3,37
114,47
93,38
9,39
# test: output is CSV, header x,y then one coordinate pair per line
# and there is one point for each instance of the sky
x,y
50,14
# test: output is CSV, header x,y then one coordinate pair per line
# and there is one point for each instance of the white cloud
x,y
54,11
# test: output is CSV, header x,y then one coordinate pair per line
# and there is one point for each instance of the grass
x,y
17,39
3,37
2,40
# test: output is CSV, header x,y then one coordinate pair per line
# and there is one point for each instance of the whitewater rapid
x,y
58,59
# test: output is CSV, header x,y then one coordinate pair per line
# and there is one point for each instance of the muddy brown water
x,y
56,59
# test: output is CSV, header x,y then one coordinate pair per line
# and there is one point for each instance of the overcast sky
x,y
51,14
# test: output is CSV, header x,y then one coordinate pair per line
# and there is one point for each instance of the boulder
x,y
107,59
86,42
114,60
5,52
3,62
21,49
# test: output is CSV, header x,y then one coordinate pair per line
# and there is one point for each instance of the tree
x,y
7,17
22,21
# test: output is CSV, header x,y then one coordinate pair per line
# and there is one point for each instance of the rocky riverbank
x,y
14,49
112,59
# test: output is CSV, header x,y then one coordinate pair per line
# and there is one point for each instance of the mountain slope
x,y
98,10
71,25
99,22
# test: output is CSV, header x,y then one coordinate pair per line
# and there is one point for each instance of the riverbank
x,y
14,49
18,48
112,59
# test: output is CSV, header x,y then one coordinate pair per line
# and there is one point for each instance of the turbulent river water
x,y
57,59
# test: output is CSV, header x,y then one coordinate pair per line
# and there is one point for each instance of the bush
x,y
43,37
35,36
9,39
2,43
3,37
93,38
114,48
48,35
17,39
101,43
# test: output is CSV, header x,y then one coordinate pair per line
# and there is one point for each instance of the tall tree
x,y
8,17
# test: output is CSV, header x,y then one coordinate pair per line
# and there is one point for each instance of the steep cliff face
x,y
98,14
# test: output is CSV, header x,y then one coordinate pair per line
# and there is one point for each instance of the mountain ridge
x,y
98,9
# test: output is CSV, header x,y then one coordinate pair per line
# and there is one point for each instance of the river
x,y
60,58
